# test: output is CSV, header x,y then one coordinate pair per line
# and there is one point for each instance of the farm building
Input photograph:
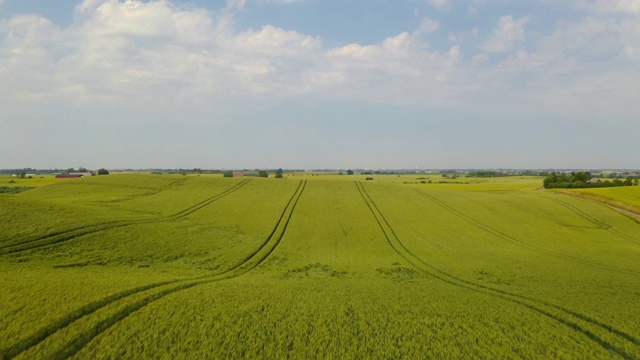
x,y
75,175
594,181
67,176
246,173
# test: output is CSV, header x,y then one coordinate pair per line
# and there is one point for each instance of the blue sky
x,y
319,84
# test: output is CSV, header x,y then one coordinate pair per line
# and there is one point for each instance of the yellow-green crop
x,y
170,266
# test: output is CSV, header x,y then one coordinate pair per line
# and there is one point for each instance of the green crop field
x,y
313,266
625,197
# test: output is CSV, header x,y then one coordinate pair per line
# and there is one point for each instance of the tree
x,y
103,171
227,173
263,173
82,169
580,176
349,172
279,173
549,180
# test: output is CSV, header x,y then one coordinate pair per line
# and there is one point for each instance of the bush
x,y
103,171
580,180
227,174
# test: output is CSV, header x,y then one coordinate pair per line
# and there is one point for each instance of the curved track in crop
x,y
165,288
28,239
524,244
163,188
70,234
579,323
548,218
593,220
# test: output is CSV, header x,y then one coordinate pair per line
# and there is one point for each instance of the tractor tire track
x,y
578,315
547,218
170,185
61,237
293,202
595,221
190,210
541,307
599,224
165,187
513,240
74,346
59,233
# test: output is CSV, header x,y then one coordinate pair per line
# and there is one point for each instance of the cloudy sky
x,y
320,83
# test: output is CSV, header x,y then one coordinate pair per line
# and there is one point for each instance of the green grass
x,y
625,197
14,189
149,266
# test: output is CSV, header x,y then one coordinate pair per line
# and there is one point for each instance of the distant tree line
x,y
13,189
22,172
583,179
31,171
487,174
261,173
350,172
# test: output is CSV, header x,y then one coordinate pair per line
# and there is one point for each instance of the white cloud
x,y
479,59
273,41
612,6
27,57
507,35
439,4
89,6
428,25
157,54
629,31
236,4
281,1
133,52
163,60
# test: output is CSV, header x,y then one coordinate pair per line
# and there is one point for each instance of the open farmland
x,y
151,266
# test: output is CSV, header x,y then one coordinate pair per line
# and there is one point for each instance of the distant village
x,y
599,174
30,173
